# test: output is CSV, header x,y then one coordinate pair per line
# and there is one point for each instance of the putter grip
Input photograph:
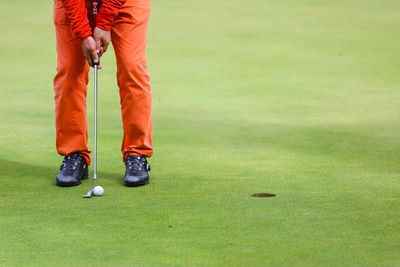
x,y
98,63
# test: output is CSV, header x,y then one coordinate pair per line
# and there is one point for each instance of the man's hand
x,y
90,51
102,38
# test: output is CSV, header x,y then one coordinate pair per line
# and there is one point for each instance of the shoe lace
x,y
135,162
70,163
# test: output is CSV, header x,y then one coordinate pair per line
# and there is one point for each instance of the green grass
x,y
296,98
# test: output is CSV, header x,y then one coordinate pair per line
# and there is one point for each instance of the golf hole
x,y
263,195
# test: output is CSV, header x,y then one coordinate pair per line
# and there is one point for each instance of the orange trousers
x,y
128,36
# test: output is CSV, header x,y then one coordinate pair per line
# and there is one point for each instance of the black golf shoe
x,y
137,169
73,170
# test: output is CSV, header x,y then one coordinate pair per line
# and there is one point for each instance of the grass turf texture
x,y
296,98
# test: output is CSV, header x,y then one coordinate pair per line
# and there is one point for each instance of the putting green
x,y
296,98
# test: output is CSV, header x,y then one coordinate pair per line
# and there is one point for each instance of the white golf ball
x,y
98,190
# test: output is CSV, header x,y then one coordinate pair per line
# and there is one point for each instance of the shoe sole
x,y
75,184
136,184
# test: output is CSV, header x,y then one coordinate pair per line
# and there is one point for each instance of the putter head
x,y
89,194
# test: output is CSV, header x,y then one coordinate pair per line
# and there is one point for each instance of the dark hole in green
x,y
263,195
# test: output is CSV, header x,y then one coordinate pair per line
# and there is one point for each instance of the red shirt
x,y
103,15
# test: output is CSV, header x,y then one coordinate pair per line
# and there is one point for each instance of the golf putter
x,y
90,193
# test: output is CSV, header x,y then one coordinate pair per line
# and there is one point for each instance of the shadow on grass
x,y
14,169
356,145
351,146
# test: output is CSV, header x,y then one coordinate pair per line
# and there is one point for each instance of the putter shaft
x,y
95,125
90,193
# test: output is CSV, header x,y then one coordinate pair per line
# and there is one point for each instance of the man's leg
x,y
129,36
70,85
